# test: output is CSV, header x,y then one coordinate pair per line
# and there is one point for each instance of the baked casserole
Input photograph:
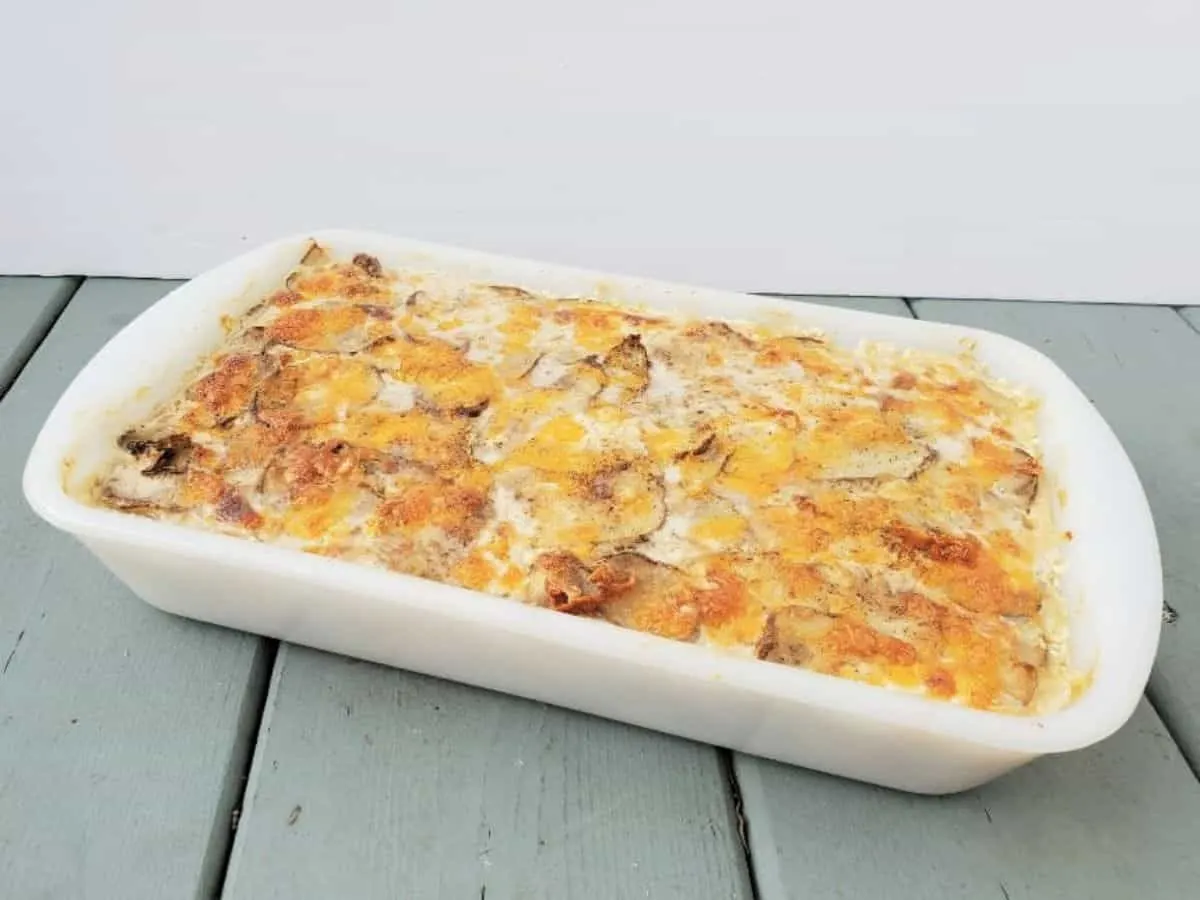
x,y
870,513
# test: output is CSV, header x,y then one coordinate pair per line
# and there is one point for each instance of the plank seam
x,y
1186,321
44,325
228,817
1192,763
741,821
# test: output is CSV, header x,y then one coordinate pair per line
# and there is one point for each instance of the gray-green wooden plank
x,y
1115,821
370,782
27,308
124,732
1140,365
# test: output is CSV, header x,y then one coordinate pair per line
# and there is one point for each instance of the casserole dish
x,y
1111,581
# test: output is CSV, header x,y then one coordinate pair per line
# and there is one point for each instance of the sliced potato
x,y
369,264
304,467
314,390
167,455
1025,478
325,328
791,635
508,292
582,378
445,378
627,369
138,494
419,503
966,570
609,507
228,390
437,441
799,636
878,463
1020,682
709,346
320,279
648,596
700,465
560,581
315,255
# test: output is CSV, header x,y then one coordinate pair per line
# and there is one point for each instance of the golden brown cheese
x,y
867,514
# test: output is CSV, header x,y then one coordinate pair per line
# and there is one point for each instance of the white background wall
x,y
1031,148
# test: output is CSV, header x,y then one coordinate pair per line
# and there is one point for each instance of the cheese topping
x,y
870,513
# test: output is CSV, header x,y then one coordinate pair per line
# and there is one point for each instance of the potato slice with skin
x,y
709,348
509,292
627,589
583,378
964,568
740,590
799,636
315,255
168,455
145,496
790,634
648,596
1027,481
879,463
227,392
858,442
559,581
174,489
720,336
627,369
303,467
315,390
622,503
326,328
432,440
420,503
696,526
251,444
700,466
369,264
552,388
446,379
358,280
1022,478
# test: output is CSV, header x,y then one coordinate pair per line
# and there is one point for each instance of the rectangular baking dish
x,y
1112,582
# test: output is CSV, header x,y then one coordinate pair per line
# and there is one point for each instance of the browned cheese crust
x,y
862,513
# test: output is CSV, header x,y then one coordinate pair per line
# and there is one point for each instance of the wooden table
x,y
143,756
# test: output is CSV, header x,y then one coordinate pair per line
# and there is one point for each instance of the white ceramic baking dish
x,y
1113,576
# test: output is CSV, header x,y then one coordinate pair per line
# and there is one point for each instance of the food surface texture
x,y
871,513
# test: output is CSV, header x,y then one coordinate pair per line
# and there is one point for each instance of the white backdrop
x,y
1033,148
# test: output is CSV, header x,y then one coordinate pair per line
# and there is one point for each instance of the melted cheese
x,y
871,514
